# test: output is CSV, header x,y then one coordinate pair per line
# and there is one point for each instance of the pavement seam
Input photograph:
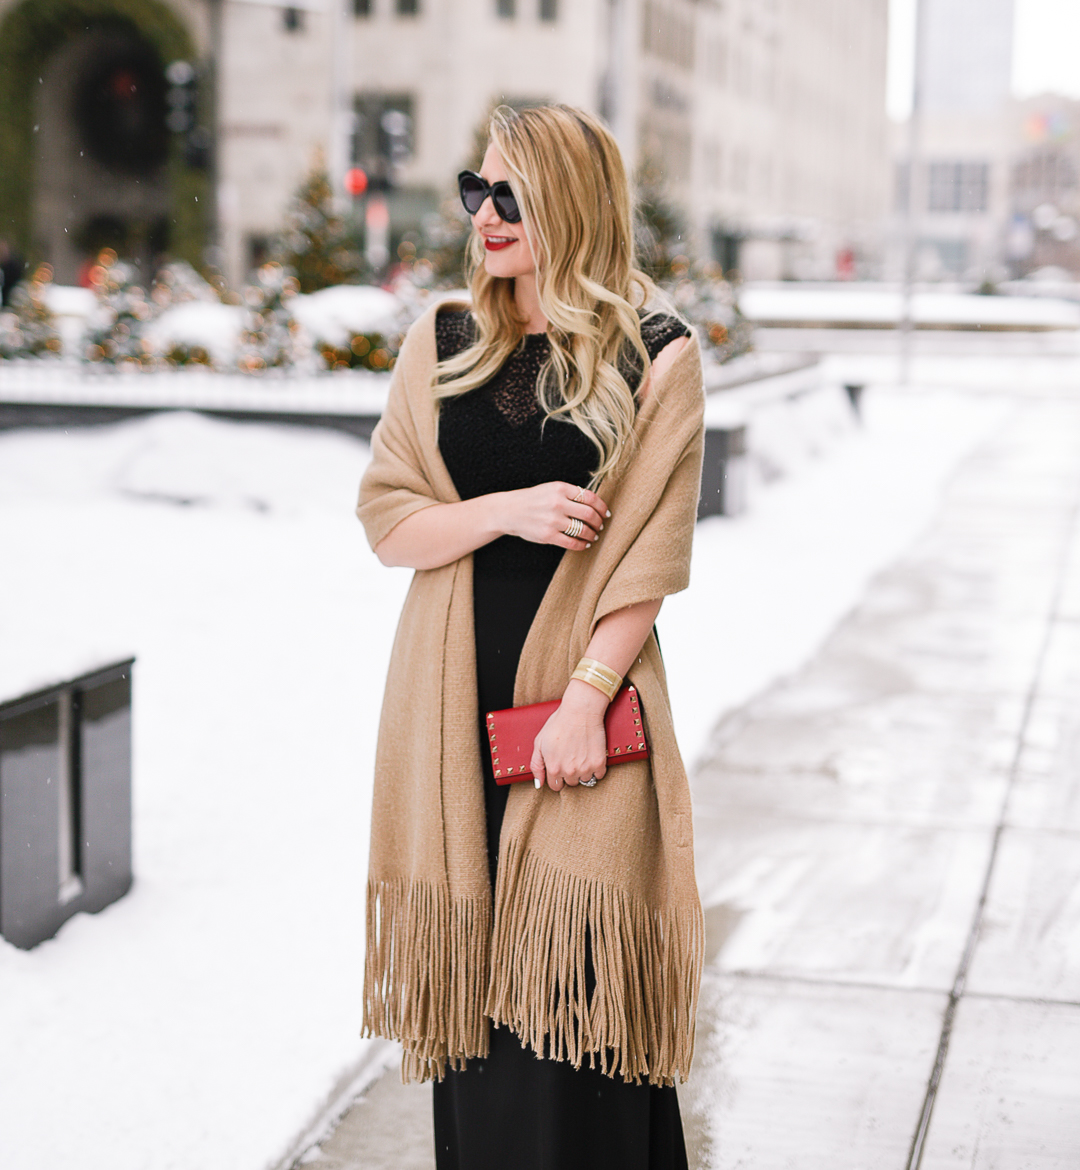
x,y
1033,1000
956,993
874,985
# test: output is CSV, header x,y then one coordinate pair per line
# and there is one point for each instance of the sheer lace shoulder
x,y
455,330
660,331
656,332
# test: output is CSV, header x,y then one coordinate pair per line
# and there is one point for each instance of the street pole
x,y
915,191
217,39
341,111
616,83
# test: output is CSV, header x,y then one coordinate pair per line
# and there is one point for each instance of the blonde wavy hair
x,y
568,177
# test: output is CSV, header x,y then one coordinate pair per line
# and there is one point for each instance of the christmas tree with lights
x,y
123,310
317,245
271,338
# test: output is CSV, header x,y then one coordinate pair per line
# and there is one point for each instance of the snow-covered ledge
x,y
44,381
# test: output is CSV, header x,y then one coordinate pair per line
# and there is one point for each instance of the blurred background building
x,y
996,193
761,122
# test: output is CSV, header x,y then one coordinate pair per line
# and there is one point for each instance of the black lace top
x,y
492,440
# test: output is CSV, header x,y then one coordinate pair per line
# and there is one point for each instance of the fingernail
x,y
608,514
538,782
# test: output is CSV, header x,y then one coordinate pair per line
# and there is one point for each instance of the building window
x,y
1045,177
408,7
293,19
957,187
549,10
362,7
504,9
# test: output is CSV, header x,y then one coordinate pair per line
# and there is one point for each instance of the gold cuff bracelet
x,y
596,674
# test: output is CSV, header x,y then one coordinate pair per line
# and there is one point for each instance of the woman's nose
x,y
486,216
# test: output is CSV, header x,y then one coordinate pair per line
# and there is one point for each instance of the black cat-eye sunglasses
x,y
474,190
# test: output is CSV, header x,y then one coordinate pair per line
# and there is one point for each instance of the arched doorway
x,y
86,156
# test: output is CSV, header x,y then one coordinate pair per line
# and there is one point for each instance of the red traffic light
x,y
355,181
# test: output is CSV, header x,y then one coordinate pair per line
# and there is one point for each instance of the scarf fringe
x,y
425,974
640,1022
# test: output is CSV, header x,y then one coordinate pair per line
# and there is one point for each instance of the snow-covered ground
x,y
200,1022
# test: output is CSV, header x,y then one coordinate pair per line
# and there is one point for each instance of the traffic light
x,y
182,98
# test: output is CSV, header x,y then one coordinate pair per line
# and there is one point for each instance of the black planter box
x,y
724,472
65,802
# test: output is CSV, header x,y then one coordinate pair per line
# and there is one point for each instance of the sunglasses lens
x,y
505,203
473,193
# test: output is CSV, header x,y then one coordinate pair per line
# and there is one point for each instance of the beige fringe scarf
x,y
613,864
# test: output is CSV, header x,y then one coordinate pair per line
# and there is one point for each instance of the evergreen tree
x,y
660,227
317,245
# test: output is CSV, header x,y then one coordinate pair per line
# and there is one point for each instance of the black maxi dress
x,y
512,1111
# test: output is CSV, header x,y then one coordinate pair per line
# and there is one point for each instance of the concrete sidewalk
x,y
889,857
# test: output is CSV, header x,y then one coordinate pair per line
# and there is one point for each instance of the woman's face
x,y
507,251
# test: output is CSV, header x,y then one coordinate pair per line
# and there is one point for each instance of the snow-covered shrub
x,y
192,326
334,315
365,351
29,329
177,283
204,333
117,327
709,303
353,326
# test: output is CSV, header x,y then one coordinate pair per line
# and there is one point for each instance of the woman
x,y
538,463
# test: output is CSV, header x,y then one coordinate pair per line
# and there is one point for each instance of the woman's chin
x,y
496,264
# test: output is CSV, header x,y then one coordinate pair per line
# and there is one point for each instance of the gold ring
x,y
573,529
577,498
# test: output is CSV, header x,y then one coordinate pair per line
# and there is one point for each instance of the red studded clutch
x,y
512,732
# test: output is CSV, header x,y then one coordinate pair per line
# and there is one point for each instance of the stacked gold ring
x,y
574,529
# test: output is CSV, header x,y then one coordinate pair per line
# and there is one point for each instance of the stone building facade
x,y
765,119
997,193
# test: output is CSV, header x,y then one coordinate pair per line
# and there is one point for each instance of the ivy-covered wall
x,y
29,34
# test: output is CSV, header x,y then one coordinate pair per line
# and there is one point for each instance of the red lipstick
x,y
497,245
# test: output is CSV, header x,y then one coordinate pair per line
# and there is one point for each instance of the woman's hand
x,y
572,745
543,513
442,533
